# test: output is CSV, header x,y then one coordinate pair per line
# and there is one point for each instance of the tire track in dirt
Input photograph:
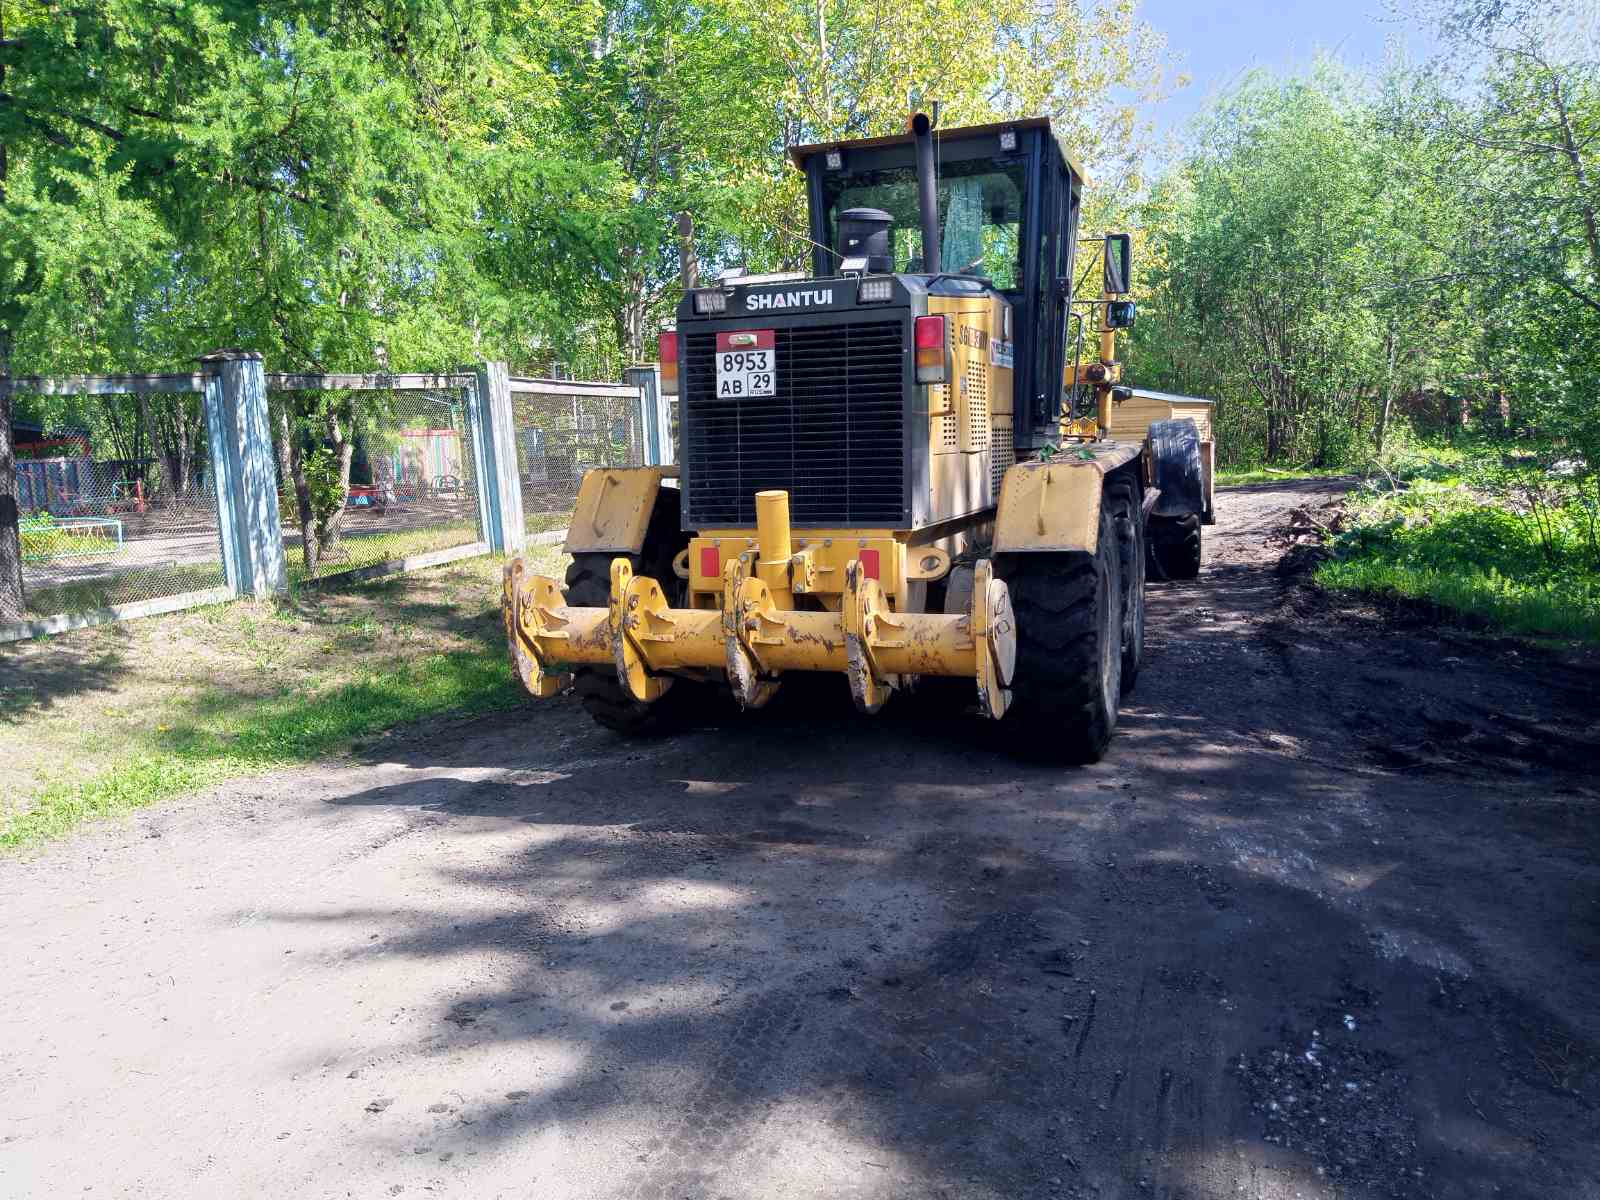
x,y
815,956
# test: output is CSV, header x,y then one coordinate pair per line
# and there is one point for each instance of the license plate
x,y
746,364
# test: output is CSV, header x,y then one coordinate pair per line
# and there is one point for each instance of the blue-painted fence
x,y
235,388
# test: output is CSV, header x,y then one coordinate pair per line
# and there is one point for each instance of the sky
x,y
1218,42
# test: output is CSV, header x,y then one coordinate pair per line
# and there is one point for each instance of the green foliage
x,y
1335,257
1282,248
369,549
332,182
1505,542
327,488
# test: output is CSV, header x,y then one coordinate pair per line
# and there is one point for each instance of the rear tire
x,y
1123,495
589,586
1068,679
1175,546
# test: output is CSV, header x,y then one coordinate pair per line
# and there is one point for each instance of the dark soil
x,y
1324,923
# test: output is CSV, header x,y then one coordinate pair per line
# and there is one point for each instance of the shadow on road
x,y
781,955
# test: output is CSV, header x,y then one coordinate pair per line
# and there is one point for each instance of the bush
x,y
1510,544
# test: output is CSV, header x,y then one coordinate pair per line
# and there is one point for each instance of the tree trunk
x,y
688,264
148,421
281,448
822,65
183,458
342,435
630,319
11,597
310,547
1580,178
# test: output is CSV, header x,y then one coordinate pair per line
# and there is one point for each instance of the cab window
x,y
980,215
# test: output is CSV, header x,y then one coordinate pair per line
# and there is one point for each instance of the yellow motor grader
x,y
893,467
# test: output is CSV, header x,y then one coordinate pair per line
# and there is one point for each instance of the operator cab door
x,y
1044,343
1059,204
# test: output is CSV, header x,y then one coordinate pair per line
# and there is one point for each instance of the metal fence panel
x,y
98,530
562,430
413,480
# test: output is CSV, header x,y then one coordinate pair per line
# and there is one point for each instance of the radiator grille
x,y
831,437
1003,452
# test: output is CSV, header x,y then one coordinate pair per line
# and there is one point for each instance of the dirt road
x,y
1326,923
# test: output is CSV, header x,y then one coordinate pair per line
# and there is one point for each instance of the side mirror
x,y
1120,314
1119,264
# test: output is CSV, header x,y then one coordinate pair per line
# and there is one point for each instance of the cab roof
x,y
799,154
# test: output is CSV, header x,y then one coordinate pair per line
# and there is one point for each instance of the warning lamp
x,y
711,302
933,360
667,343
875,291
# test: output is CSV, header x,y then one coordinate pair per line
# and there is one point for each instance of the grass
x,y
44,538
288,730
362,549
546,522
1463,540
127,585
1233,476
1404,460
101,721
1570,610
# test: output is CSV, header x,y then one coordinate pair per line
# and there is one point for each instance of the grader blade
x,y
755,638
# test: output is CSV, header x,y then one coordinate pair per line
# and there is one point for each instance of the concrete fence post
x,y
246,473
494,441
656,411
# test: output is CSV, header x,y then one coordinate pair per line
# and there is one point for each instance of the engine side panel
x,y
969,419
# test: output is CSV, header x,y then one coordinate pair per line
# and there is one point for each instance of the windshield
x,y
980,215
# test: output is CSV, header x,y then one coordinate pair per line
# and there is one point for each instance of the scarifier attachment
x,y
756,636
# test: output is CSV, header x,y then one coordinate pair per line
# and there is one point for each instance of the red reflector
x,y
930,333
869,558
710,562
667,343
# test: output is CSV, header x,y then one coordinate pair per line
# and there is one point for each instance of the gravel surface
x,y
1325,923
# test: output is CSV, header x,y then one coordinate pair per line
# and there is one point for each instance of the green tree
x,y
1513,108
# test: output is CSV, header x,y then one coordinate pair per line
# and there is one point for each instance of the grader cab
x,y
893,467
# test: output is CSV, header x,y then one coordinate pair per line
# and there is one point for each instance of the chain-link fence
x,y
120,505
120,510
563,428
403,459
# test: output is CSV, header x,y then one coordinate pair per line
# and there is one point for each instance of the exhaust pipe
x,y
927,191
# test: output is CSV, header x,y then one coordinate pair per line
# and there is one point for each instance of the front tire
x,y
1068,679
597,686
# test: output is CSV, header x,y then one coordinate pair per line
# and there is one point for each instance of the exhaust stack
x,y
927,191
